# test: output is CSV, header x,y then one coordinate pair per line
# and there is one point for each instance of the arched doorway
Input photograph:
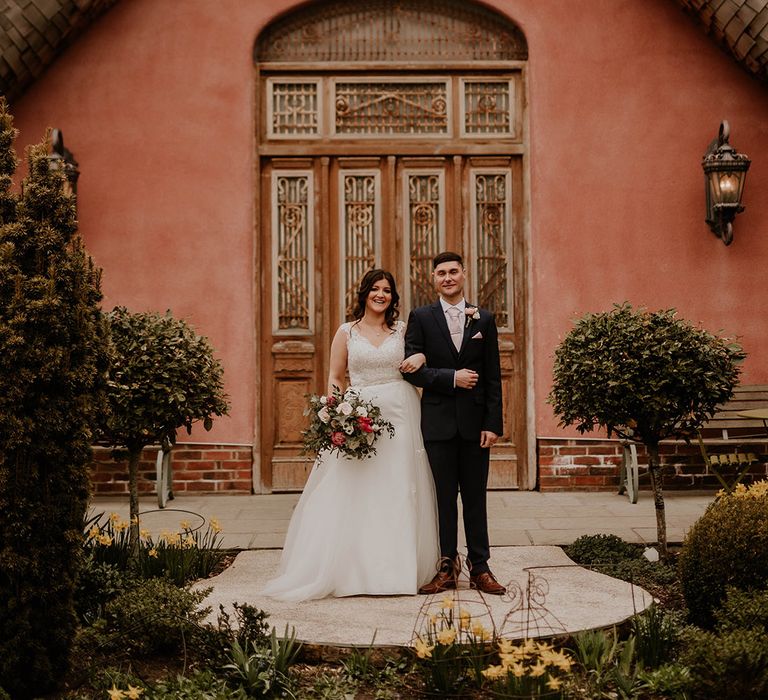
x,y
385,133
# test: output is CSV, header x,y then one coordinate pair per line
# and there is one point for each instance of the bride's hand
x,y
413,363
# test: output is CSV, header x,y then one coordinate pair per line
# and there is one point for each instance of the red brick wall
x,y
594,465
196,468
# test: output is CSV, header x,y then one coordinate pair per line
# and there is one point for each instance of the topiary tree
x,y
52,369
162,376
726,547
644,376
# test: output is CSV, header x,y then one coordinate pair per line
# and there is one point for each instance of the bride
x,y
367,527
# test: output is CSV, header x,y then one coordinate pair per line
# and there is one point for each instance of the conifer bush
x,y
726,547
52,369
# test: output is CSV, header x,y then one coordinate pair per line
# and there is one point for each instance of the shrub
x,y
727,546
97,584
154,616
589,550
52,366
746,610
731,665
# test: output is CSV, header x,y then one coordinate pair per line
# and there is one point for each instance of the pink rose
x,y
338,438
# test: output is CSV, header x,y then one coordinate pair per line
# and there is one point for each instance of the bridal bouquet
x,y
345,424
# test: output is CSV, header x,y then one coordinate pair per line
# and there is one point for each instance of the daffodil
x,y
564,662
94,532
506,646
115,693
494,672
120,526
537,669
184,524
464,619
144,534
554,683
447,602
189,541
423,650
516,669
106,540
153,552
215,525
479,630
114,517
133,693
447,636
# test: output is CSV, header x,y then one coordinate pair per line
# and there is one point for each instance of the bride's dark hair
x,y
366,285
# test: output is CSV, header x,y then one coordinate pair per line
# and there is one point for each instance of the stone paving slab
x,y
566,598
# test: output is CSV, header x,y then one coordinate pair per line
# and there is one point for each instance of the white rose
x,y
362,411
324,414
344,408
323,400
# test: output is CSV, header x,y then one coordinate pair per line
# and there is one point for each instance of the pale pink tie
x,y
454,325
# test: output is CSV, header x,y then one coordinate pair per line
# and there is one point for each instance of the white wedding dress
x,y
366,527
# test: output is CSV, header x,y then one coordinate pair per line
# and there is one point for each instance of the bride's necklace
x,y
377,331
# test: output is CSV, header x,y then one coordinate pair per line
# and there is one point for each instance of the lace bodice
x,y
368,364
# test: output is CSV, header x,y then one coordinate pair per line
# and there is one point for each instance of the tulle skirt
x,y
365,527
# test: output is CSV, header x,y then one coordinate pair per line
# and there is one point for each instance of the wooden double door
x,y
325,221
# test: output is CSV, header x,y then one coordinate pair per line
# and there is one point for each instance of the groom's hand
x,y
466,378
487,438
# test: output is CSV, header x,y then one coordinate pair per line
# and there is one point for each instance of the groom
x,y
461,416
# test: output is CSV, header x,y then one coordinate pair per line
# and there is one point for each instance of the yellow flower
x,y
538,669
506,646
554,683
479,631
106,540
153,552
446,636
433,618
564,662
189,541
94,532
120,526
517,670
447,602
115,693
144,533
133,693
423,650
135,520
494,672
464,619
114,517
215,525
529,646
184,524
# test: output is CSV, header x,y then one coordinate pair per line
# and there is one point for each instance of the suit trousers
x,y
461,467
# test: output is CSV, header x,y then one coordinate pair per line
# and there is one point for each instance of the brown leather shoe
x,y
443,581
486,583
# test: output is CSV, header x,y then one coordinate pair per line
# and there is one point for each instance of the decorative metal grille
x,y
382,30
488,107
491,220
383,108
360,223
425,228
294,108
292,231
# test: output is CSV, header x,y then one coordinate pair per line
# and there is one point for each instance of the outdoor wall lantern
x,y
724,173
61,158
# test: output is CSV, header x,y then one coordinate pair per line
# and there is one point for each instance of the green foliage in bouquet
x,y
53,362
163,376
644,376
727,546
344,424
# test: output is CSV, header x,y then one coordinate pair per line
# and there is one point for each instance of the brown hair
x,y
446,256
366,285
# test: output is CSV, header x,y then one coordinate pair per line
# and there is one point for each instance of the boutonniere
x,y
473,314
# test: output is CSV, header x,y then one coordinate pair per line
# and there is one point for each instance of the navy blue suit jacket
x,y
445,410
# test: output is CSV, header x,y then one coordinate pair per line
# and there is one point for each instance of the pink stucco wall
x,y
156,101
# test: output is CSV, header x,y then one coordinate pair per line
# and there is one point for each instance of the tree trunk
x,y
134,454
654,468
